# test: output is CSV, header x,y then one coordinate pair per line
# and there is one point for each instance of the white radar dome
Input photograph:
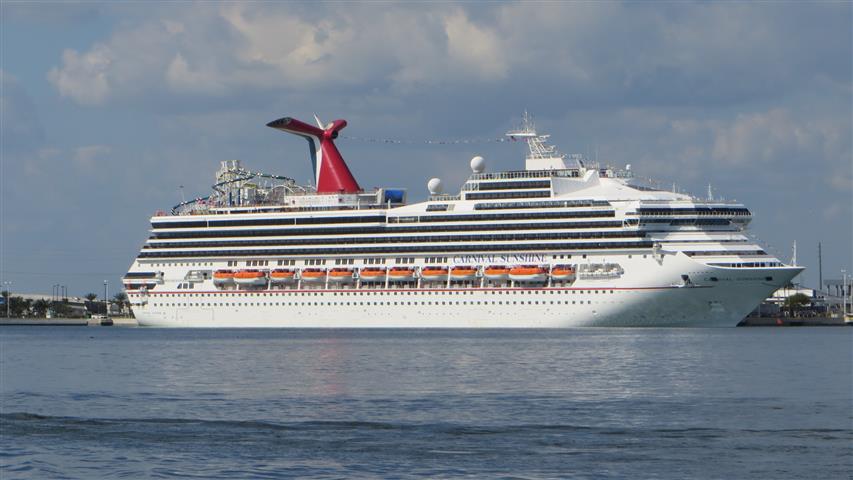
x,y
434,186
478,164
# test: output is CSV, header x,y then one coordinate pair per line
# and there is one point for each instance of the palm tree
x,y
23,306
120,299
40,307
797,301
91,296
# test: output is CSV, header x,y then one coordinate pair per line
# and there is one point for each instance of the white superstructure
x,y
561,243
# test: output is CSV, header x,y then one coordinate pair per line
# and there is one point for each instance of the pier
x,y
69,322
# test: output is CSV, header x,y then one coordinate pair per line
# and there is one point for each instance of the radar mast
x,y
541,156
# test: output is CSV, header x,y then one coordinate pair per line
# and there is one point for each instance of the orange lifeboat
x,y
250,277
528,273
282,276
401,274
434,274
372,274
562,272
313,275
341,275
463,273
496,272
223,277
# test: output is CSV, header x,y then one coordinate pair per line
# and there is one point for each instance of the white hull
x,y
724,302
642,256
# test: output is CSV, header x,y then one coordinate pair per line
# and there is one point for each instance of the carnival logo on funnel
x,y
331,172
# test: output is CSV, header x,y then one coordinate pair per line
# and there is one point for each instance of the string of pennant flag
x,y
457,141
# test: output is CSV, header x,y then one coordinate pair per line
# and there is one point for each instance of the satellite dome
x,y
478,164
434,186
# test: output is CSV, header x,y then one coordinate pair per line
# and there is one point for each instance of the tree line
x,y
18,306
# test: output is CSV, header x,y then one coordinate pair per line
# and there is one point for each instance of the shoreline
x,y
67,322
131,322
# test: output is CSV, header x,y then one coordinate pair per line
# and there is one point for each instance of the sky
x,y
108,108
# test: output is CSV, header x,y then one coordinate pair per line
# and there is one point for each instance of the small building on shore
x,y
827,302
836,292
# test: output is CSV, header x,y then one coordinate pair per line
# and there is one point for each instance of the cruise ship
x,y
563,242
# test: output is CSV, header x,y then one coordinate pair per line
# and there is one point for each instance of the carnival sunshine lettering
x,y
503,258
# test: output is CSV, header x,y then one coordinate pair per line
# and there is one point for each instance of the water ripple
x,y
419,404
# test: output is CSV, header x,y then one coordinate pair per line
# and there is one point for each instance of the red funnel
x,y
331,172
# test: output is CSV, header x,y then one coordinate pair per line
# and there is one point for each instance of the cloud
x,y
477,49
38,163
131,64
553,57
182,78
85,157
225,50
763,137
50,161
57,14
842,180
20,126
84,77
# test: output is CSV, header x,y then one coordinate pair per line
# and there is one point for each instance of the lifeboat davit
x,y
313,275
463,273
562,272
282,276
496,272
252,278
434,274
223,277
528,273
372,274
400,274
341,275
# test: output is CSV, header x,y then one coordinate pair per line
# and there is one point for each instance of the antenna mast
x,y
794,254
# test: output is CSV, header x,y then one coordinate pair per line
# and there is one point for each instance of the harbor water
x,y
580,403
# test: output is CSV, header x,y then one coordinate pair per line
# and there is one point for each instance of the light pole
x,y
106,302
8,297
844,294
